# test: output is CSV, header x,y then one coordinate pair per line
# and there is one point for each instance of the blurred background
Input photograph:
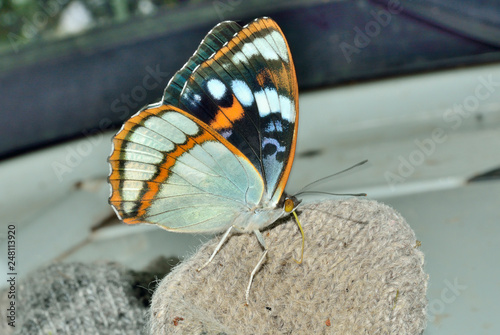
x,y
412,86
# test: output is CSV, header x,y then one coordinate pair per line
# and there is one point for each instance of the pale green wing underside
x,y
171,169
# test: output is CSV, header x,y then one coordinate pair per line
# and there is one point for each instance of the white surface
x,y
379,121
459,229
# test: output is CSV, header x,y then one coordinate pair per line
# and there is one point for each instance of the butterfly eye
x,y
289,205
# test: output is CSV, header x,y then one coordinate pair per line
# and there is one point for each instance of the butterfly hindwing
x,y
170,169
247,91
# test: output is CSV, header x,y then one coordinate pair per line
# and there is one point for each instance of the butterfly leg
x,y
224,238
260,238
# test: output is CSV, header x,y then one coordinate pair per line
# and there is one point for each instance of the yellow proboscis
x,y
303,238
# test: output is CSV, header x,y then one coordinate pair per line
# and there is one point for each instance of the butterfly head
x,y
290,203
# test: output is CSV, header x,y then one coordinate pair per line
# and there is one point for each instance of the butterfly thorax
x,y
257,218
265,213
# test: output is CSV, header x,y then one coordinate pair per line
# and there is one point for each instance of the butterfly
x,y
215,154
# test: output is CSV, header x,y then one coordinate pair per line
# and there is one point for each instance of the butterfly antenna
x,y
330,193
303,189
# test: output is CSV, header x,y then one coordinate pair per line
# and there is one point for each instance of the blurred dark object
x,y
487,176
93,82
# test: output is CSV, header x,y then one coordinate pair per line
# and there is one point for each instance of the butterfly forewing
x,y
214,40
247,92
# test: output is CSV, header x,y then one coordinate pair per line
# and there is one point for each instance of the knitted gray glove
x,y
76,298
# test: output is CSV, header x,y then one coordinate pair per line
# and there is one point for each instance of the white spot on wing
x,y
274,126
272,98
237,59
127,208
268,101
281,45
270,40
262,103
249,50
287,109
265,49
131,191
242,92
216,88
226,133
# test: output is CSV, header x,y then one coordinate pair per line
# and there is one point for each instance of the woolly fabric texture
x,y
78,298
362,274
